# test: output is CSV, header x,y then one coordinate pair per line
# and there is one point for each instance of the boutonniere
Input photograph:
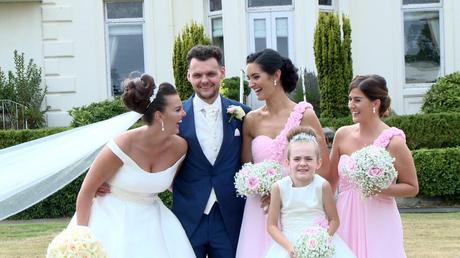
x,y
235,112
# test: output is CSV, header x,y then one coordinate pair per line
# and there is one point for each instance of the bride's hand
x,y
264,203
103,189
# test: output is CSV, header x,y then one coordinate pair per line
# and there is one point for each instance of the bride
x,y
131,221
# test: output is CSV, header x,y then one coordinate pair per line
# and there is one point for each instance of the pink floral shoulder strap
x,y
278,148
384,138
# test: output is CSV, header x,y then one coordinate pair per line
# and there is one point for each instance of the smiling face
x,y
303,162
172,114
205,77
360,106
260,81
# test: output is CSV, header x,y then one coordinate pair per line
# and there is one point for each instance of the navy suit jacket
x,y
197,176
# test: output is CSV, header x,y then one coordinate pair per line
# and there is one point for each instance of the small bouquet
x,y
235,112
370,169
253,179
75,241
315,242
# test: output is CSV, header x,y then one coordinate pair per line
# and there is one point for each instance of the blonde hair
x,y
302,134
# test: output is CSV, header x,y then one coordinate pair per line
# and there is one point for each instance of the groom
x,y
204,197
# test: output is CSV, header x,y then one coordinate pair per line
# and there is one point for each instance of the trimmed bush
x,y
444,95
333,63
13,137
438,172
312,94
438,130
230,88
96,112
189,37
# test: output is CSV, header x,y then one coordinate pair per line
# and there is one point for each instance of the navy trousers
x,y
210,239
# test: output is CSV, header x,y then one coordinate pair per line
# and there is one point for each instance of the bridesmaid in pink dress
x,y
271,76
372,228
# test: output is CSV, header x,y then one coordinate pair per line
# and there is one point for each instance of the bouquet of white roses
x,y
253,179
77,242
315,242
370,169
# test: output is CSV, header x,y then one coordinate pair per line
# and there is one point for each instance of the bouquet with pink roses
x,y
370,169
315,242
257,179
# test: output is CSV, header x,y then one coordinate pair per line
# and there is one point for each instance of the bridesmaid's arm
x,y
334,159
103,168
246,155
310,119
274,211
330,209
407,185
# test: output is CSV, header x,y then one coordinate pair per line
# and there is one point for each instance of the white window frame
x,y
423,8
213,15
120,21
327,8
270,17
273,8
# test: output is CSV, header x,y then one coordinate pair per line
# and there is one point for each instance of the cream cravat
x,y
211,114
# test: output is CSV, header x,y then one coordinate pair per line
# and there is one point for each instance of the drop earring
x,y
162,126
274,82
373,110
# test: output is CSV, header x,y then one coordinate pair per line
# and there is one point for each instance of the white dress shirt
x,y
209,131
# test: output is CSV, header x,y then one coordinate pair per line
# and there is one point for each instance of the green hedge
x,y
438,171
12,137
438,130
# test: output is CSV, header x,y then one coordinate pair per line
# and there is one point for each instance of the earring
x,y
373,110
274,82
162,126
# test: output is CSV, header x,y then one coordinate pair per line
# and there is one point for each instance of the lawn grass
x,y
425,235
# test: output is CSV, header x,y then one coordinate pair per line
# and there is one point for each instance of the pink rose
x,y
253,183
322,222
312,244
270,172
375,171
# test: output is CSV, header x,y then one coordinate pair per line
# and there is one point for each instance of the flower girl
x,y
304,205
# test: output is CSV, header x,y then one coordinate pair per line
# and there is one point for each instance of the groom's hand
x,y
103,189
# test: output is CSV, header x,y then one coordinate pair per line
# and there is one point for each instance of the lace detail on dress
x,y
384,138
280,142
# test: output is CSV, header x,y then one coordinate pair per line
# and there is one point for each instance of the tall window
x,y
270,24
422,41
125,41
217,29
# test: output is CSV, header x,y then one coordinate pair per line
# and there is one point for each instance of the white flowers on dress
x,y
370,169
75,241
257,179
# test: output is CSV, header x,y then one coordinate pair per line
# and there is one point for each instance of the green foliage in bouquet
x,y
444,95
189,37
96,112
230,88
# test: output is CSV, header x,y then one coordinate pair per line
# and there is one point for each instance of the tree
x,y
190,36
333,62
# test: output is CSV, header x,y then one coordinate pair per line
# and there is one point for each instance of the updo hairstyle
x,y
303,134
373,87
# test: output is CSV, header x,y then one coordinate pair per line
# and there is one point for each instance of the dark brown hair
x,y
137,93
205,52
270,61
373,87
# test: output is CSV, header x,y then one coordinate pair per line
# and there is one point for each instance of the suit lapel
x,y
229,129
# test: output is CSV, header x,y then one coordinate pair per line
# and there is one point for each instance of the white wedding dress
x,y
132,221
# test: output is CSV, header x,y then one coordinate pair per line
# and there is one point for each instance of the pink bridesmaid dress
x,y
371,227
254,239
